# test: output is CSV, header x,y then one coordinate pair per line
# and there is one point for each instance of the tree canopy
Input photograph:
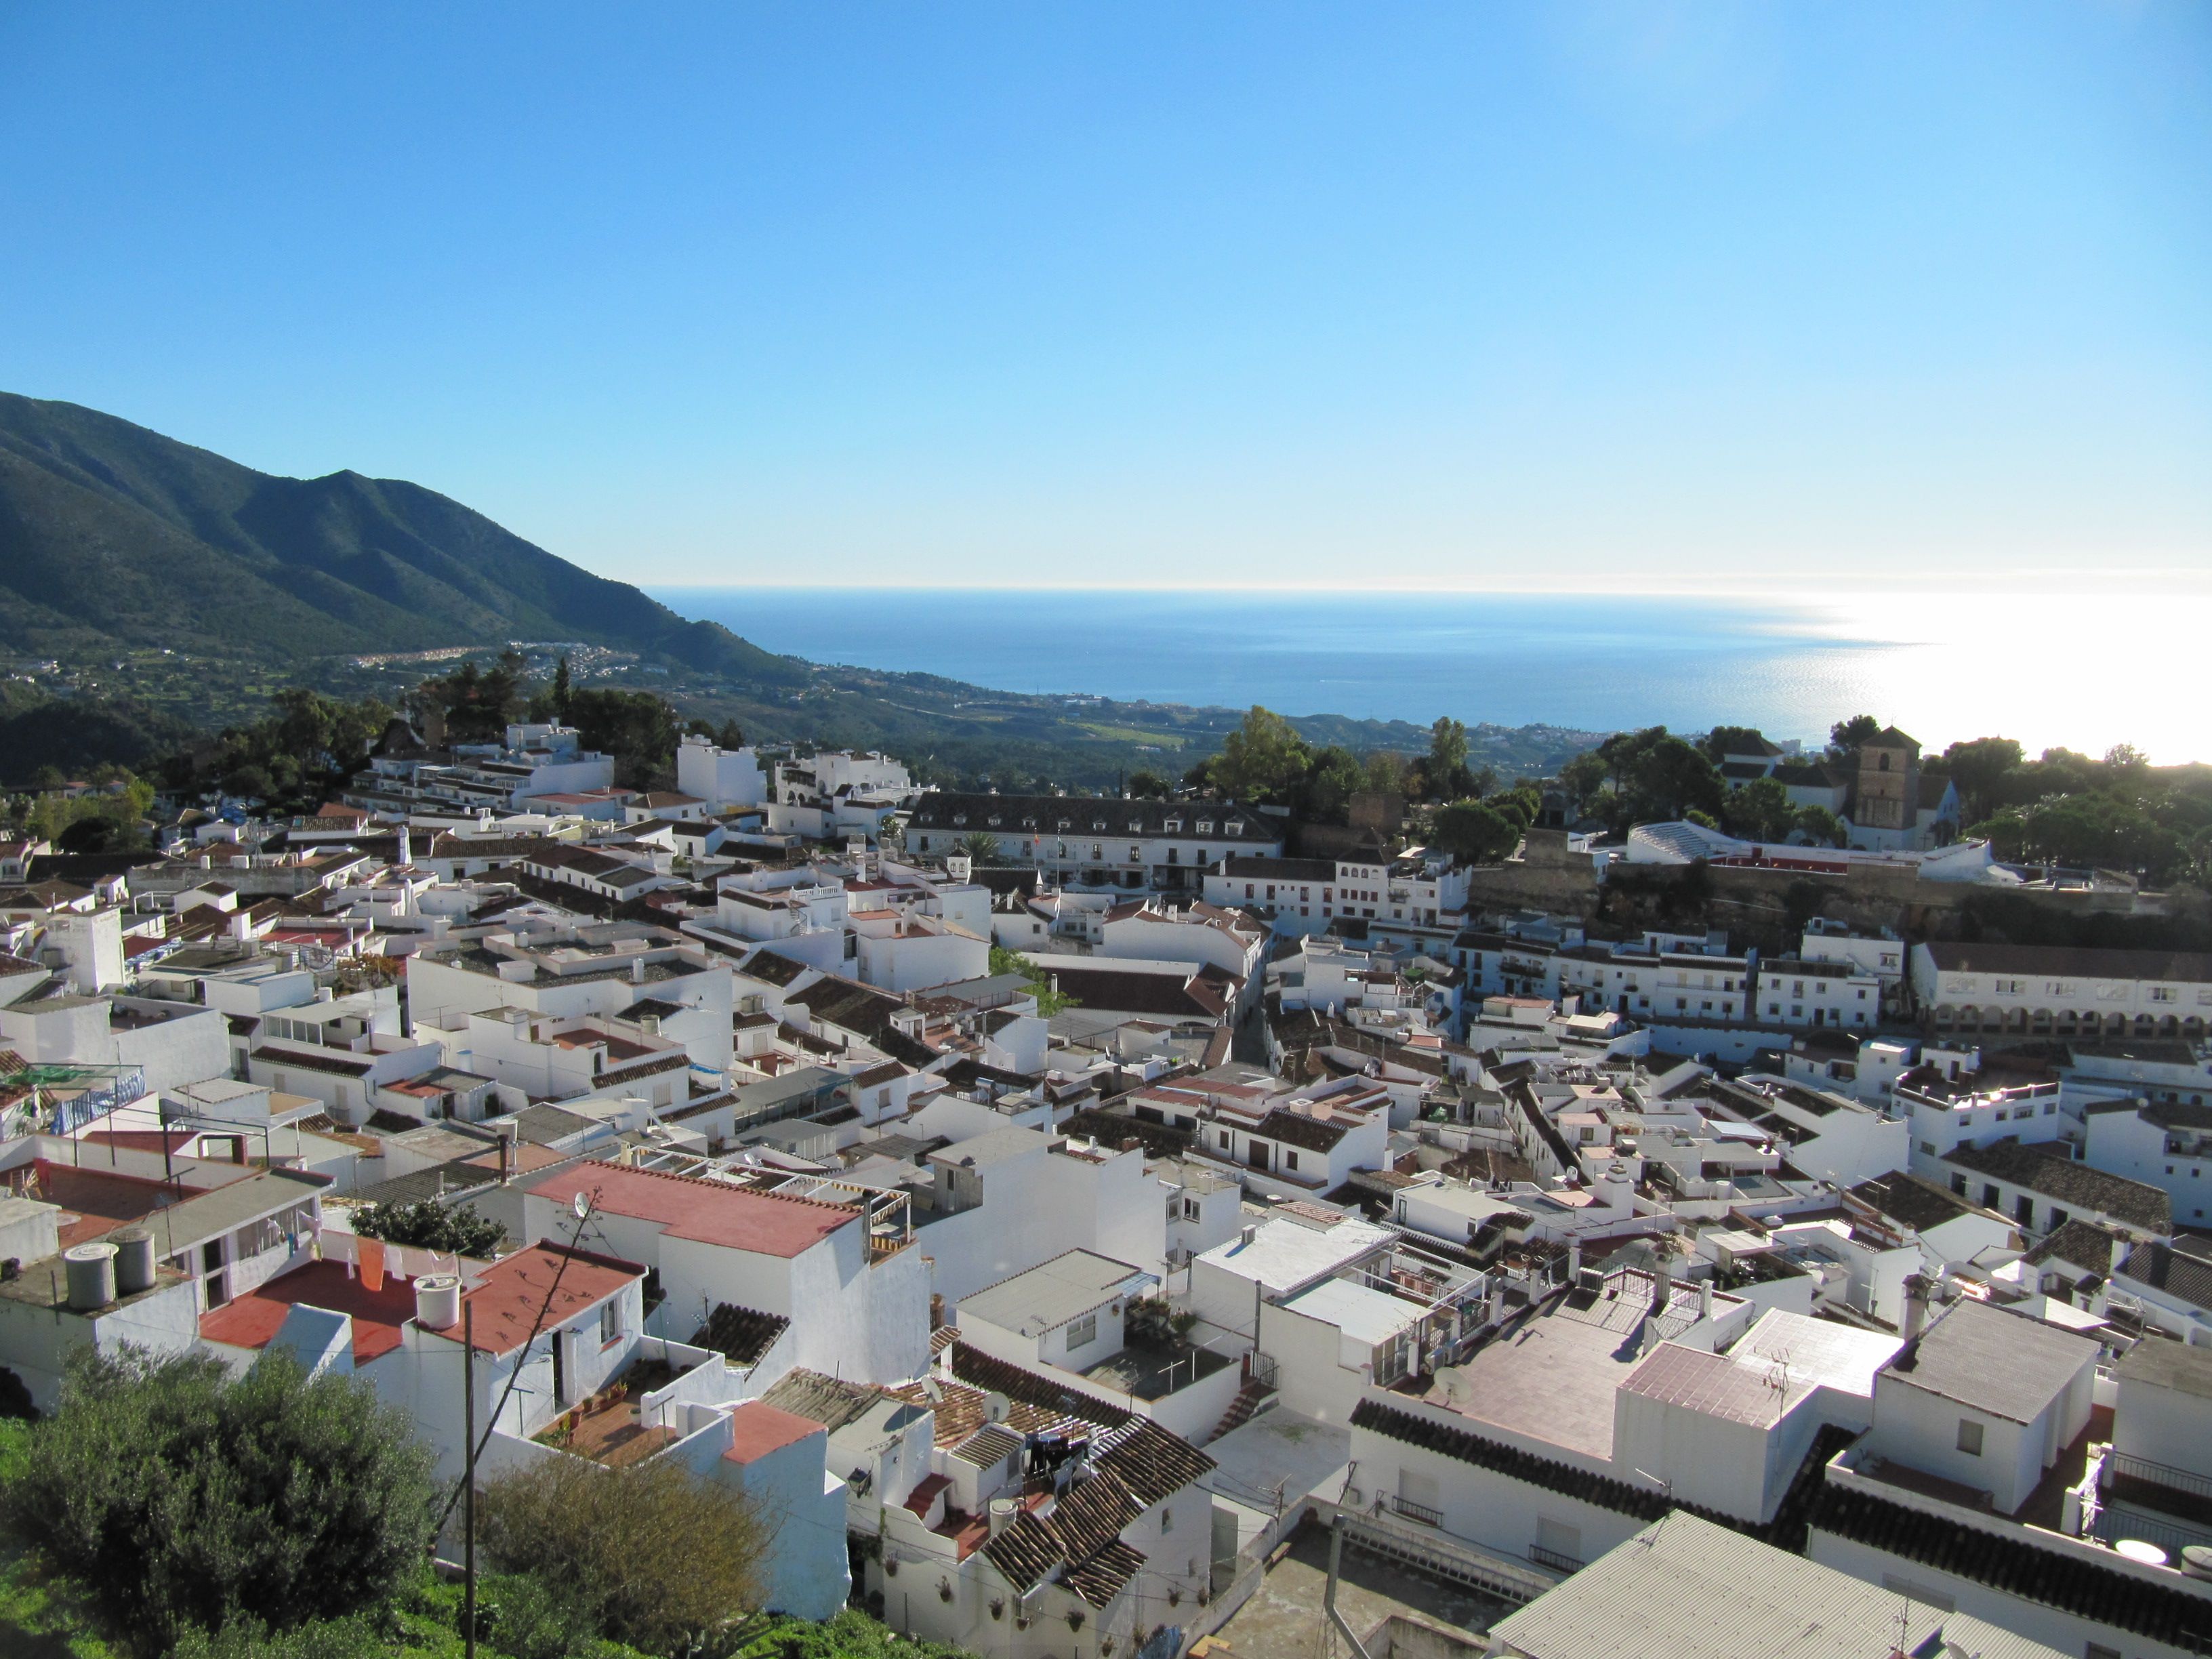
x,y
458,1230
189,1500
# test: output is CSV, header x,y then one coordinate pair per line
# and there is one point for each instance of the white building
x,y
1836,994
1134,846
2062,991
848,1278
723,777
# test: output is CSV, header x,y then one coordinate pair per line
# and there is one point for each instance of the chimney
x,y
1574,1259
406,847
1915,1306
1705,1298
637,970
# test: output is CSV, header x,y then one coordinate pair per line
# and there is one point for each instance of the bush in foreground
x,y
187,1501
652,1555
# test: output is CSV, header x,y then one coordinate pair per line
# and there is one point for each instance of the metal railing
x,y
2127,1464
1420,1512
1556,1560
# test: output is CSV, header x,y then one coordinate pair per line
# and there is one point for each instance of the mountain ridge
x,y
115,533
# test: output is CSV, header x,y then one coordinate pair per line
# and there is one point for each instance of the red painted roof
x,y
758,1428
711,1212
252,1320
509,1298
95,1202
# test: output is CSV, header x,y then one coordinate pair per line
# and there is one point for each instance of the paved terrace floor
x,y
1552,1375
1284,1618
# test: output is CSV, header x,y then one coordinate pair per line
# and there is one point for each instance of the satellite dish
x,y
581,1205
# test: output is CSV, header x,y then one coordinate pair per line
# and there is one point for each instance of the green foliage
x,y
1444,771
1847,738
102,822
449,1229
120,537
1731,740
476,704
1326,795
1049,1001
1820,827
1147,786
649,1553
1979,768
1760,811
1654,776
850,1635
637,728
193,1501
1263,760
355,1638
1474,832
45,1615
300,752
979,845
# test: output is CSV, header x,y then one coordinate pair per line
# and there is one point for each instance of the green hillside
x,y
112,536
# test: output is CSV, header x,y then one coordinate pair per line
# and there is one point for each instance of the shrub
x,y
430,1225
851,1635
185,1500
652,1555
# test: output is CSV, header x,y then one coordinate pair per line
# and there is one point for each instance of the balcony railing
x,y
1420,1512
2120,1465
1556,1560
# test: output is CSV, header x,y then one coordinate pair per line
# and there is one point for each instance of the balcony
x,y
1555,1559
1420,1512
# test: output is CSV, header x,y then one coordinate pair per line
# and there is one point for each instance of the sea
x,y
2083,671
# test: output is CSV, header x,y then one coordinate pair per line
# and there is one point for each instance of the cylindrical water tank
x,y
134,1260
438,1302
91,1269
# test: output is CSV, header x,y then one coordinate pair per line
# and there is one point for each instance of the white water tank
x,y
438,1301
1002,1513
134,1260
91,1270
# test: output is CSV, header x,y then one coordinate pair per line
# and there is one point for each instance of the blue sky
x,y
1429,296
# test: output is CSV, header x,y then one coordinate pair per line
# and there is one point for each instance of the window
x,y
1970,1437
1290,1160
1225,1137
2161,993
1084,1331
1167,1522
611,1320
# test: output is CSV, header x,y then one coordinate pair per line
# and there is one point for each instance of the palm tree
x,y
980,845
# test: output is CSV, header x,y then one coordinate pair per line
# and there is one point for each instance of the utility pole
x,y
469,1492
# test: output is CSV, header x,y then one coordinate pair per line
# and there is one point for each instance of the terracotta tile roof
x,y
2046,1169
2012,1562
740,1335
1100,1579
972,1366
1153,1463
